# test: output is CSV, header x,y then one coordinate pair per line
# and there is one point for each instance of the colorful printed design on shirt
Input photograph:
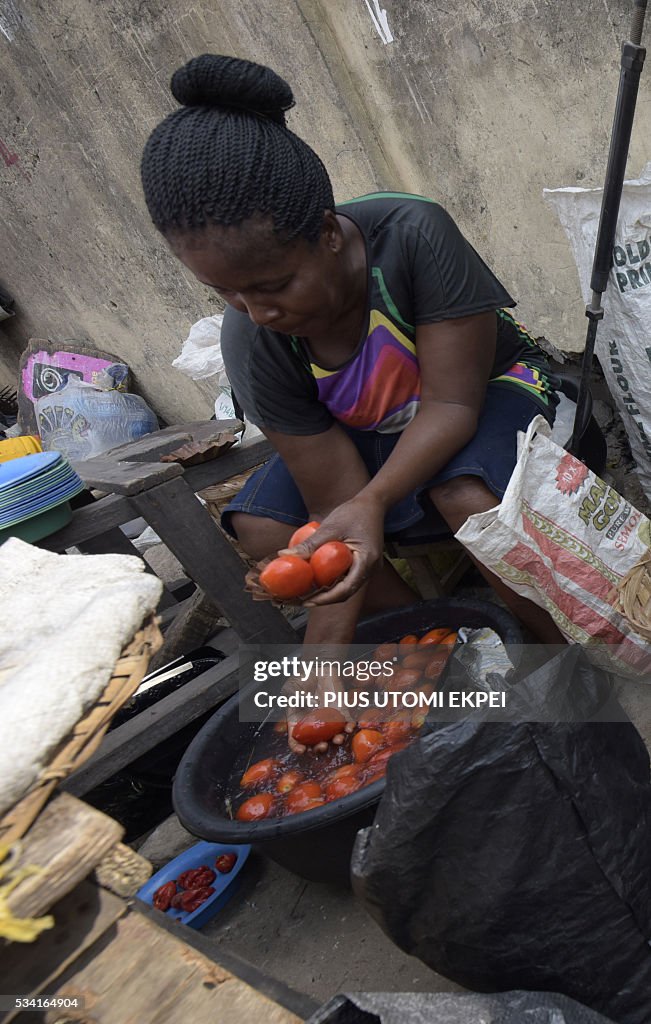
x,y
525,374
379,389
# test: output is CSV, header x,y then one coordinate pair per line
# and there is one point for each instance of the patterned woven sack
x,y
566,540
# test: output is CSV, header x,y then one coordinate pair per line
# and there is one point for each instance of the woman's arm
x,y
456,358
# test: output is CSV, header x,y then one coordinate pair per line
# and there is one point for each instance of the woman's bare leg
x,y
465,496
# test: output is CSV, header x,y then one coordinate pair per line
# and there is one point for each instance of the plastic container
x,y
225,886
17,447
316,844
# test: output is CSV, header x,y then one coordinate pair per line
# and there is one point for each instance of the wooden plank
x,y
81,918
91,521
208,558
160,442
67,841
147,975
244,456
106,474
299,1003
122,871
125,744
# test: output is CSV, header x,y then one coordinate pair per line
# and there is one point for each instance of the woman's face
x,y
298,288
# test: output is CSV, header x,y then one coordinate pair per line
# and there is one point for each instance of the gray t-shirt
x,y
420,270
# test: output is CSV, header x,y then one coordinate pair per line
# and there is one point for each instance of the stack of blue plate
x,y
35,491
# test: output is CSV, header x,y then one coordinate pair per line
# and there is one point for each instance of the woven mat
x,y
87,735
634,596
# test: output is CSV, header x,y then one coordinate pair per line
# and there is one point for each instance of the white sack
x,y
564,539
623,344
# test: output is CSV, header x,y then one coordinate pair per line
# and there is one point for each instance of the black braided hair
x,y
227,155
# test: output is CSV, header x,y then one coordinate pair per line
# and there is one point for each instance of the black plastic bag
x,y
518,856
453,1008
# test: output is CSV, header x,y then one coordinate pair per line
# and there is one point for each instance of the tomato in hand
x,y
303,533
288,780
256,807
319,727
259,772
330,561
304,797
226,862
287,576
365,743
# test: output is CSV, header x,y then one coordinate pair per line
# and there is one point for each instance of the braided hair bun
x,y
226,155
231,83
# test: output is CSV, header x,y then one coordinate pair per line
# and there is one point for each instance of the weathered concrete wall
x,y
477,105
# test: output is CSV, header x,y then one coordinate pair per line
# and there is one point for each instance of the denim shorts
x,y
270,492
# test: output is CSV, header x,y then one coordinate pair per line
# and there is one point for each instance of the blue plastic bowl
x,y
225,885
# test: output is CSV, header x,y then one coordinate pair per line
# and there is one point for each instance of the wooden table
x,y
164,494
123,960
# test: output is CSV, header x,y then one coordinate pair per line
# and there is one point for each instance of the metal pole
x,y
632,62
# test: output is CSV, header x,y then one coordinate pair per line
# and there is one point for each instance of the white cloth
x,y
65,620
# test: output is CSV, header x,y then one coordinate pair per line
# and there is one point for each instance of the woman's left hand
x,y
359,523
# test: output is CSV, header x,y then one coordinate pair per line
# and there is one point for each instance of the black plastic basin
x,y
316,844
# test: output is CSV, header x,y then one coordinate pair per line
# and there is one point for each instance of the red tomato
x,y
303,533
288,780
409,639
259,772
365,743
287,576
256,807
450,639
318,727
397,731
195,878
331,561
162,898
344,772
437,663
303,797
419,659
434,636
226,862
384,755
405,679
281,727
385,652
343,786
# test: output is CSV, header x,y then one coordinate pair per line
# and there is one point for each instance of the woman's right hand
x,y
318,684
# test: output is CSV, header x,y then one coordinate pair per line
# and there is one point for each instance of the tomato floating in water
x,y
287,576
319,727
335,789
405,679
330,561
304,797
288,780
419,659
345,771
365,743
226,862
256,807
408,640
450,639
259,772
303,533
434,636
385,652
397,731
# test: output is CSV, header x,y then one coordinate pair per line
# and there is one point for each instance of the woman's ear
x,y
331,232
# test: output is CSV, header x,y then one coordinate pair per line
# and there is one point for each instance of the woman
x,y
368,341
